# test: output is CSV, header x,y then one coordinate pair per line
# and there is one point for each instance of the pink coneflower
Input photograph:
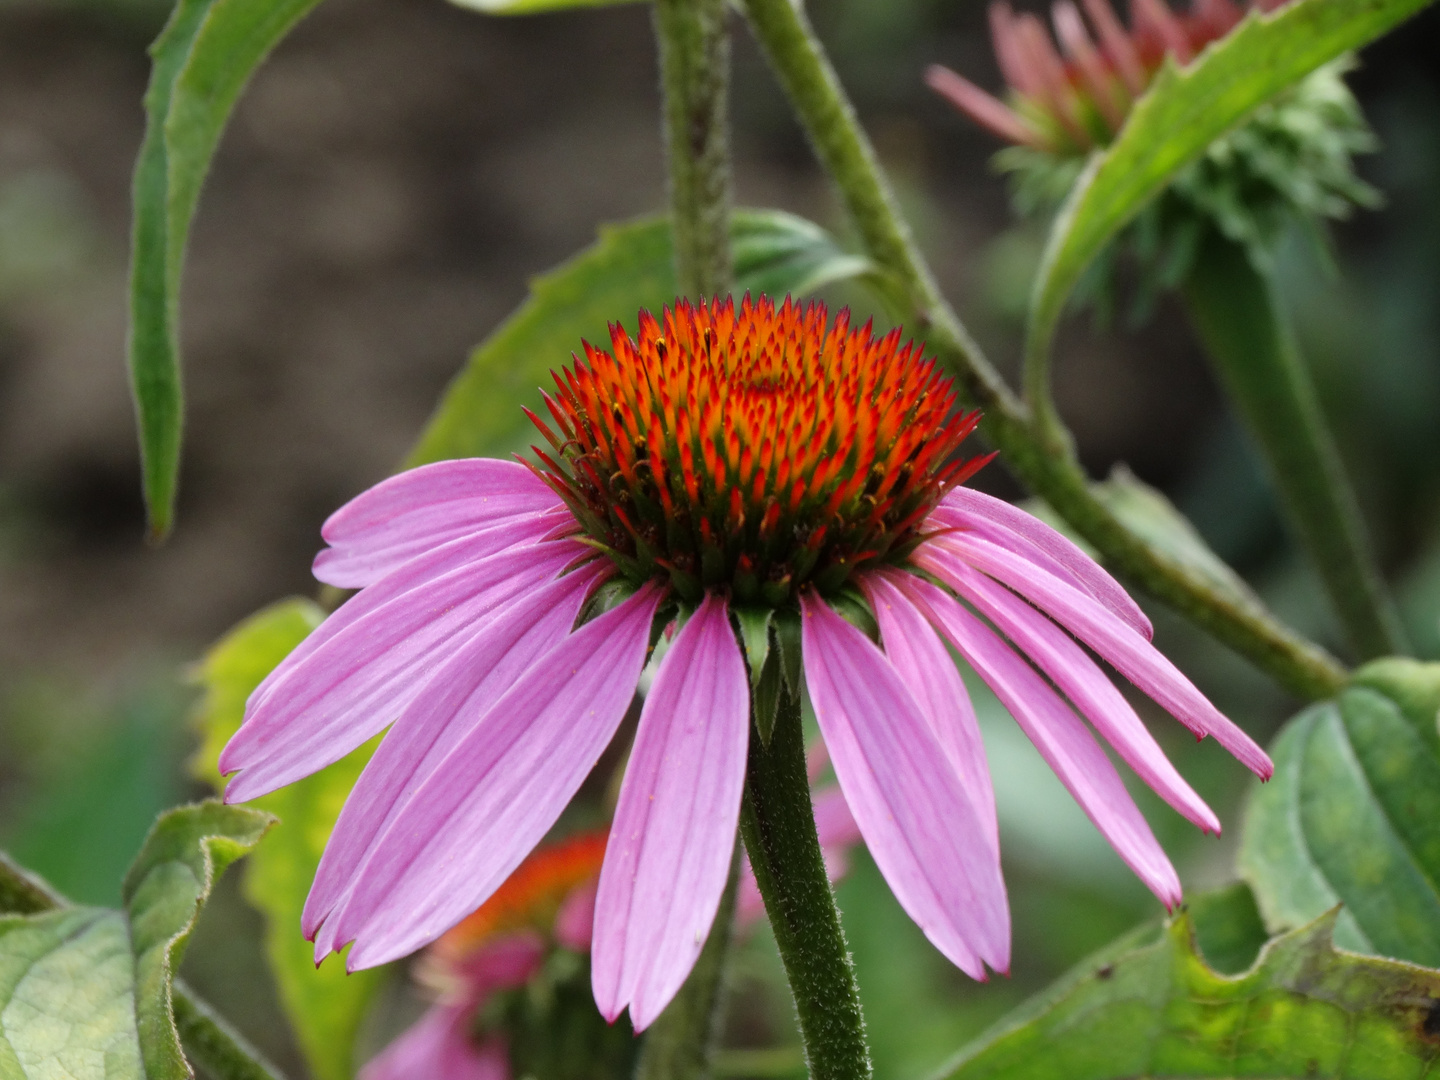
x,y
729,457
1071,100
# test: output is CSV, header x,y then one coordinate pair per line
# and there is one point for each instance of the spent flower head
x,y
734,453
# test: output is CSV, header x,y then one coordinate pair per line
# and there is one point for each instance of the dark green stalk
x,y
681,1044
1041,454
1242,322
695,75
777,823
210,1042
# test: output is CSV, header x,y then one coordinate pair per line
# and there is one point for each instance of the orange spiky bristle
x,y
756,449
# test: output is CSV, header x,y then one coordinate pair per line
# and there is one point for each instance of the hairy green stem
x,y
1242,322
1039,451
777,823
210,1042
695,74
681,1044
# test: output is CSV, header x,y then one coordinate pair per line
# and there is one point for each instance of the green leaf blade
x,y
325,1005
1182,112
629,268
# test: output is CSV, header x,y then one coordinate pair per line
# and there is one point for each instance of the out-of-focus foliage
x,y
1179,116
530,7
87,991
325,1004
1155,1008
1353,816
631,267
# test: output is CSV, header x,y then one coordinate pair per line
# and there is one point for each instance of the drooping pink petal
x,y
1067,747
498,791
439,1046
414,511
1009,526
921,829
457,695
674,832
1117,45
355,683
920,659
1082,681
986,110
1097,626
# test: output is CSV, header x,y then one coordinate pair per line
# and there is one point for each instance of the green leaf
x,y
630,267
531,7
1157,1009
1183,111
88,991
325,1005
200,63
1353,816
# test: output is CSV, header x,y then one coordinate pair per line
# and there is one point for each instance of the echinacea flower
x,y
1291,159
728,457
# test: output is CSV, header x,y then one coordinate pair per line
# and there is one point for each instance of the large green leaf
x,y
200,63
630,267
87,992
1155,1008
1183,111
1353,815
325,1005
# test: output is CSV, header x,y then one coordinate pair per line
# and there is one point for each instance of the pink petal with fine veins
x,y
919,657
984,109
1013,528
1082,681
1096,626
438,1045
497,793
413,511
674,832
1058,734
456,697
351,687
921,829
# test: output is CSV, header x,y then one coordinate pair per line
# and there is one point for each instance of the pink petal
x,y
1156,16
920,659
453,701
1097,626
1011,527
921,828
1119,49
1014,64
439,1046
358,680
1070,29
1057,733
575,921
674,832
985,110
414,511
498,792
1082,681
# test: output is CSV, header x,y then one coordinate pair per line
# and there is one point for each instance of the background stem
x,y
681,1044
1240,318
777,822
1040,452
695,75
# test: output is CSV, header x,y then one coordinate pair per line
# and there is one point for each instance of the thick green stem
x,y
681,1044
1039,451
777,822
695,74
1240,318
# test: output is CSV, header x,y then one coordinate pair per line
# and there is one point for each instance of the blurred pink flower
x,y
749,455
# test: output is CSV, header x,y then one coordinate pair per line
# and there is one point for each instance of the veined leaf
x,y
87,991
630,267
531,7
200,63
1182,112
1156,1009
325,1005
1353,815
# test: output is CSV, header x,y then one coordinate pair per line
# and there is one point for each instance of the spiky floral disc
x,y
758,449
